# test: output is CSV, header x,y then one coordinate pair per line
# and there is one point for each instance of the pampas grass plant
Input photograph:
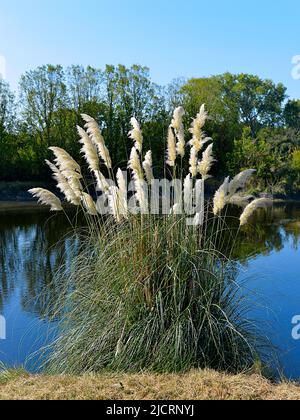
x,y
152,292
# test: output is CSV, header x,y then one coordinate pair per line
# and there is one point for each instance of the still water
x,y
33,245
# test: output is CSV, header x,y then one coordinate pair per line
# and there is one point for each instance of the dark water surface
x,y
34,244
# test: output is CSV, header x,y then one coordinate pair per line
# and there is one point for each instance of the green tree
x,y
259,102
292,114
42,92
7,132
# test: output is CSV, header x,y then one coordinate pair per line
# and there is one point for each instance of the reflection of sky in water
x,y
276,280
30,255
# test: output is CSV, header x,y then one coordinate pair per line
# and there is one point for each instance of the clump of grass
x,y
152,292
153,298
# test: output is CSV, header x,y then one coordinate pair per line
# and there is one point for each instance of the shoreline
x,y
199,385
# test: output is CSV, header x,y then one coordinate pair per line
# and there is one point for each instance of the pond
x,y
33,244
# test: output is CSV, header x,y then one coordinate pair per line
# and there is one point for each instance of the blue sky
x,y
174,38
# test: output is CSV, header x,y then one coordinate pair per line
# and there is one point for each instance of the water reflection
x,y
268,232
31,251
34,245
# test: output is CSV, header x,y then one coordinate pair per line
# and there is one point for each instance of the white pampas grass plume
x,y
188,193
171,151
220,198
206,163
122,194
70,187
199,144
251,209
240,181
136,135
180,146
135,165
64,161
47,198
138,176
114,203
194,162
147,165
90,153
89,204
88,150
178,115
141,188
199,122
94,131
177,125
196,129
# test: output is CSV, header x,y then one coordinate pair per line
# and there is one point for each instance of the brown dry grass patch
x,y
196,385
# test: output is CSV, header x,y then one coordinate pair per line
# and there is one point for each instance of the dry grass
x,y
198,385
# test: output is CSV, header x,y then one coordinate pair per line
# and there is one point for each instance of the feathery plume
x,y
220,198
178,115
251,209
64,161
47,198
136,135
177,124
140,187
138,176
180,146
188,193
171,151
89,204
90,153
199,144
198,123
206,163
135,164
88,150
239,182
198,195
95,134
114,203
65,185
147,165
122,193
194,162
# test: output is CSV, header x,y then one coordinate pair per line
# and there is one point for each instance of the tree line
x,y
253,122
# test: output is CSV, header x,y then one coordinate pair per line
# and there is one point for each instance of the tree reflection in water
x,y
35,245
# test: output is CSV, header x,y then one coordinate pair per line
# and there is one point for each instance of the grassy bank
x,y
196,385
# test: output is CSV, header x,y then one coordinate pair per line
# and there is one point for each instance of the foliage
x,y
246,112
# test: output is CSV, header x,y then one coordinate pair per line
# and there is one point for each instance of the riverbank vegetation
x,y
195,385
253,122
